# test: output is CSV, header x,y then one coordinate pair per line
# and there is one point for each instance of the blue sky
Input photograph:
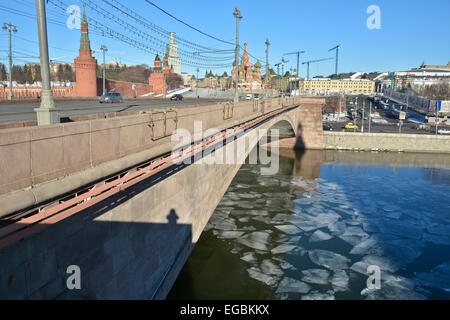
x,y
411,31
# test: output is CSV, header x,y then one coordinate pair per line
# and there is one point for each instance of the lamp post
x,y
238,16
267,65
11,28
104,49
46,113
196,82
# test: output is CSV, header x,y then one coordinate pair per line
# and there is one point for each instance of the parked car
x,y
257,96
176,97
350,126
111,97
248,97
423,126
328,127
444,131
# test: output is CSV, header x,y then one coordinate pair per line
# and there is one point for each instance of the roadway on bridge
x,y
25,111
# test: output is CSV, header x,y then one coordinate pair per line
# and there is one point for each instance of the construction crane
x,y
337,56
298,53
313,61
282,67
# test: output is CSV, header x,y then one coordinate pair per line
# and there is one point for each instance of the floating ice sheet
x,y
318,236
282,249
256,240
249,257
290,285
289,229
256,274
316,295
340,281
316,276
328,259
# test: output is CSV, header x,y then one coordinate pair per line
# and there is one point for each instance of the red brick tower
x,y
85,65
156,78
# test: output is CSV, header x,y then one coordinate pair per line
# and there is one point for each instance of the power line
x,y
110,33
143,35
149,25
187,24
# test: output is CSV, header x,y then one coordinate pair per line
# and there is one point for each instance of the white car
x,y
444,131
248,97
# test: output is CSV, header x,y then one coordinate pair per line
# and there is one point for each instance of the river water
x,y
325,227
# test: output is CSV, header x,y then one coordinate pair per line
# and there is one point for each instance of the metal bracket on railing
x,y
255,105
228,110
165,119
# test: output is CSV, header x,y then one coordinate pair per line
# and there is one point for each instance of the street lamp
x,y
238,16
11,28
104,49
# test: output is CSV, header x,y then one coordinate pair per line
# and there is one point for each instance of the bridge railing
x,y
81,152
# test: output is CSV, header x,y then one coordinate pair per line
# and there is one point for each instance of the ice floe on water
x,y
342,233
354,235
319,236
393,289
337,228
283,248
385,264
367,246
340,281
316,295
290,285
269,267
226,225
329,259
249,257
256,240
261,276
230,234
289,229
315,276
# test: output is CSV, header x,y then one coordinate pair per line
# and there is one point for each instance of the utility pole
x,y
104,49
436,119
267,65
46,113
238,16
11,28
362,118
370,115
196,82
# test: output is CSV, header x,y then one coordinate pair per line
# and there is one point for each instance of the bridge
x,y
108,194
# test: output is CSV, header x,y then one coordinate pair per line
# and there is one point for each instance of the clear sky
x,y
411,31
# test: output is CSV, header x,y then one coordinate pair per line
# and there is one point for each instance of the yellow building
x,y
350,86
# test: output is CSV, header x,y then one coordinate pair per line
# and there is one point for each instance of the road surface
x,y
25,111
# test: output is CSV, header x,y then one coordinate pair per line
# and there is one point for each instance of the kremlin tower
x,y
85,65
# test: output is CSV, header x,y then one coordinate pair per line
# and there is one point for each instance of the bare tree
x,y
440,91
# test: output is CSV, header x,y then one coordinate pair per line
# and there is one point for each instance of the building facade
x,y
172,51
325,85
